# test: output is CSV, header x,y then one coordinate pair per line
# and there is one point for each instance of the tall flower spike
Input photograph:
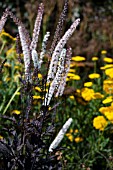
x,y
3,19
37,27
59,28
60,135
66,70
43,50
35,58
18,22
58,49
55,83
26,53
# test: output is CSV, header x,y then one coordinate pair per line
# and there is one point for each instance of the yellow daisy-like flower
x,y
76,131
100,122
70,74
108,60
105,110
94,58
98,95
103,52
75,77
39,75
70,136
78,139
109,72
17,112
87,94
109,116
88,84
67,79
73,65
72,70
108,86
71,97
71,131
78,58
38,88
106,66
94,75
108,100
78,91
36,97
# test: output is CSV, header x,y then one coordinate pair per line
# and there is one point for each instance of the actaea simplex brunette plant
x,y
27,143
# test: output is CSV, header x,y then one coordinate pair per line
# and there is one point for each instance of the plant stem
x,y
11,100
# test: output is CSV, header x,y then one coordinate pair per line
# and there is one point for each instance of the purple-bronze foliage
x,y
28,136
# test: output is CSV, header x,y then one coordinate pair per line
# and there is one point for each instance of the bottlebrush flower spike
x,y
43,50
60,135
66,70
35,58
3,19
37,27
55,83
26,53
58,49
59,28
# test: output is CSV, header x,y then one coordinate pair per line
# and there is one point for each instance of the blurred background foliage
x,y
95,31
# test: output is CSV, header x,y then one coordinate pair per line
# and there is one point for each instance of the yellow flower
x,y
94,58
106,66
17,112
39,75
72,70
94,76
78,91
108,100
76,131
103,52
97,95
70,136
67,79
108,60
109,72
1,137
71,131
71,97
78,139
36,97
87,94
75,77
106,109
108,86
70,74
73,65
88,84
109,116
38,88
78,58
100,122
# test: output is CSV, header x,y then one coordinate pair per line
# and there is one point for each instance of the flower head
x,y
87,94
100,122
94,75
109,72
94,58
108,60
78,58
88,84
